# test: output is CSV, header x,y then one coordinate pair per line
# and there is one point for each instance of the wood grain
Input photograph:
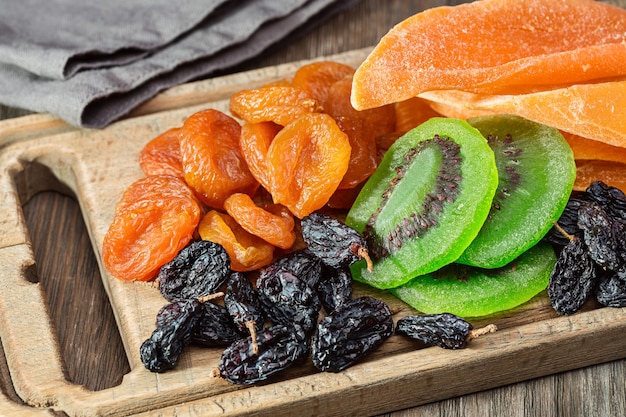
x,y
87,333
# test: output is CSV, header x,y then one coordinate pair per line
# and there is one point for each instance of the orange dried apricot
x,y
275,229
155,218
317,77
277,104
254,141
362,127
212,159
413,112
161,155
306,162
247,252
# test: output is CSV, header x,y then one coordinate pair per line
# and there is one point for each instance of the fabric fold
x,y
228,37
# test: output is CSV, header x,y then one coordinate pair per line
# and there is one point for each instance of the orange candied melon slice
x,y
594,111
496,47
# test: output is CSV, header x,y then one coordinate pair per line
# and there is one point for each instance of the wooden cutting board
x,y
39,152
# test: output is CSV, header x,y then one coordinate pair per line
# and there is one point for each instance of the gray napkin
x,y
93,86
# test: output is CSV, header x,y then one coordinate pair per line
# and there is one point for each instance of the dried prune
x,y
197,271
349,333
163,348
598,235
288,300
611,199
215,326
573,278
278,349
334,287
445,330
335,243
243,304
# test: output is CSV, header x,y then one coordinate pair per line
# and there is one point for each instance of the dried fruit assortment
x,y
254,225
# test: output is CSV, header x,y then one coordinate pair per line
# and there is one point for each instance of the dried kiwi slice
x,y
536,172
425,203
472,292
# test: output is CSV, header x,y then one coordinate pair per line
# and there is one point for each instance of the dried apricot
x,y
413,112
363,156
306,162
317,77
381,120
247,252
212,159
277,104
254,141
275,229
155,218
161,155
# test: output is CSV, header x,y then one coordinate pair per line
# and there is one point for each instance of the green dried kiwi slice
x,y
536,172
468,291
425,202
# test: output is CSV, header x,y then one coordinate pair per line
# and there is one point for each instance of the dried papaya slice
x,y
588,149
278,104
161,155
254,141
276,229
595,110
155,218
609,172
212,159
317,77
247,252
495,47
306,162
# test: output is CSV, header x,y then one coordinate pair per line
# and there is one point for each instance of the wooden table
x,y
87,334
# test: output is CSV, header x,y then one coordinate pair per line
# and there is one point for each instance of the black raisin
x,y
349,333
611,291
611,199
335,243
197,271
163,348
573,278
598,235
304,264
445,330
243,303
288,300
278,349
215,326
568,221
334,287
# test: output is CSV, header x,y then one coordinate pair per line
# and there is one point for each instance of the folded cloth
x,y
57,38
230,34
